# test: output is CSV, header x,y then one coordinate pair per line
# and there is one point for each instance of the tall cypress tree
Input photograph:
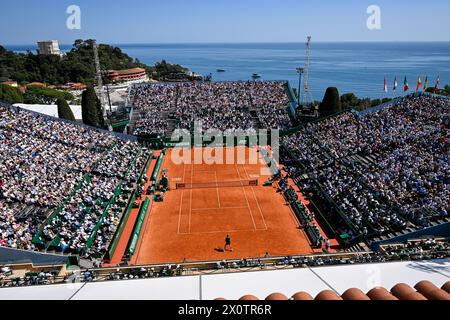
x,y
89,109
101,120
331,103
64,111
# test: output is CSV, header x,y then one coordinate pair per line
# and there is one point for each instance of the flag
x,y
419,84
385,85
425,85
438,82
406,85
395,84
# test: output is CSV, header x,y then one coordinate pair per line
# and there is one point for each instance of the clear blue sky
x,y
204,21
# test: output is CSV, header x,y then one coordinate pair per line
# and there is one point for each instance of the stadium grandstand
x,y
379,175
230,107
353,192
63,187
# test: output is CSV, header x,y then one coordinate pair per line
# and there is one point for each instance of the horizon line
x,y
240,42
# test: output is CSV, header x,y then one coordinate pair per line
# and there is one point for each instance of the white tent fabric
x,y
57,292
262,284
235,285
52,110
183,288
49,110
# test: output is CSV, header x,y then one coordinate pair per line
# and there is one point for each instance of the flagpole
x,y
395,87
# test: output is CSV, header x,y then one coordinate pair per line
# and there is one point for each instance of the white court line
x,y
181,201
221,208
190,203
226,231
246,199
217,183
256,199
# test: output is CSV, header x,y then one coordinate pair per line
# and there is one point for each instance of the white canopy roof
x,y
52,110
49,110
235,285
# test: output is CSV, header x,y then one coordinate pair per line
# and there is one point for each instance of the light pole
x,y
300,71
104,75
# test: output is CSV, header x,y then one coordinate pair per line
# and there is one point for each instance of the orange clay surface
x,y
191,225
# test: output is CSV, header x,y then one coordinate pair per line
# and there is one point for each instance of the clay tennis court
x,y
191,224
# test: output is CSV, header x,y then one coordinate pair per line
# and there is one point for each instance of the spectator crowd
x,y
49,166
229,107
385,171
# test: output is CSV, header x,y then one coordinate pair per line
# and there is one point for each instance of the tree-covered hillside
x,y
76,66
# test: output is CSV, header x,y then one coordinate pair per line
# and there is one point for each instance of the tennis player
x,y
228,243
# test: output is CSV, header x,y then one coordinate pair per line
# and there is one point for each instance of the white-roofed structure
x,y
232,286
50,110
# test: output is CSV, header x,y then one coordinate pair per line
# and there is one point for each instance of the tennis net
x,y
218,184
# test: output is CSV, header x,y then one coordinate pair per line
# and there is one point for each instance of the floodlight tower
x,y
100,90
307,99
300,72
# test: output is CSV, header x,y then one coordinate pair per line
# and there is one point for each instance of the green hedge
x,y
138,227
157,167
123,223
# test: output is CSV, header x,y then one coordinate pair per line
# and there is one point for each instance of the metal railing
x,y
232,266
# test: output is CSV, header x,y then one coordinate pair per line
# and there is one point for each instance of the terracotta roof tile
x,y
404,292
425,291
249,298
127,71
328,295
276,296
354,294
380,294
302,296
446,287
431,292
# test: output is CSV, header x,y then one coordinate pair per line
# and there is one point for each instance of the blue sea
x,y
351,67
